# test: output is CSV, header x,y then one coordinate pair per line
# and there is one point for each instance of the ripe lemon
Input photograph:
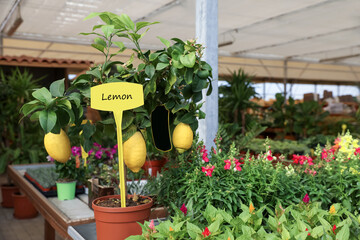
x,y
135,152
182,137
58,146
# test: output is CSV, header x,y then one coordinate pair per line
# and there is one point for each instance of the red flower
x,y
206,232
307,230
183,209
227,164
334,228
269,157
208,170
238,167
306,199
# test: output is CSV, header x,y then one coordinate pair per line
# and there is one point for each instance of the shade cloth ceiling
x,y
318,40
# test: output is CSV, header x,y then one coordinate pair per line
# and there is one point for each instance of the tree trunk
x,y
243,122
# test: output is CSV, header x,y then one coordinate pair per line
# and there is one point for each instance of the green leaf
x,y
128,132
120,45
64,102
27,108
202,115
95,72
76,98
164,41
187,92
161,66
150,70
175,55
188,118
193,230
177,64
189,75
43,95
127,22
128,118
97,26
197,97
178,107
107,30
317,231
88,131
57,88
209,91
100,41
92,15
214,227
154,56
140,25
164,58
98,47
285,235
47,120
198,84
188,60
344,233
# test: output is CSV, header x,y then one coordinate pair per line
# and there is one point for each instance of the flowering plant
x,y
73,169
298,221
102,164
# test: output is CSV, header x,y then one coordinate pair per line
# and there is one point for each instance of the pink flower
x,y
214,151
269,157
357,151
227,164
97,145
152,226
306,199
76,151
50,159
98,154
208,170
183,209
238,167
206,232
334,228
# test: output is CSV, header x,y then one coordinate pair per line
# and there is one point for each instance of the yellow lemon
x,y
58,146
182,137
135,152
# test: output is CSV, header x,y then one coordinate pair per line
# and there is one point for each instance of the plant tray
x,y
51,191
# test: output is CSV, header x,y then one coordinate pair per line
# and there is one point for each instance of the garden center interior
x,y
285,81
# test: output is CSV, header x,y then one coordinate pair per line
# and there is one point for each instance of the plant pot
x,y
66,190
23,208
153,167
6,192
96,190
119,223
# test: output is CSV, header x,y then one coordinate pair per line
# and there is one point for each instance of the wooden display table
x,y
58,215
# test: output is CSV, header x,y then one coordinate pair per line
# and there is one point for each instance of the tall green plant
x,y
19,139
236,97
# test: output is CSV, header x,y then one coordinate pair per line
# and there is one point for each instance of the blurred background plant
x,y
21,142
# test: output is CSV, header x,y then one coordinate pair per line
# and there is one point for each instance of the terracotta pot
x,y
119,223
23,208
154,166
6,192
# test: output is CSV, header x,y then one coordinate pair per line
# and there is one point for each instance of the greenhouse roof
x,y
316,39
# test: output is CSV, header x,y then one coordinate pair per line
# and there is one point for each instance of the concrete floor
x,y
14,229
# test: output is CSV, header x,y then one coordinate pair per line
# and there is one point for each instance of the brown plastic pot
x,y
119,223
155,166
23,208
6,192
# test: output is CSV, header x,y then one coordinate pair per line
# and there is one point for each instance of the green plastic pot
x,y
66,190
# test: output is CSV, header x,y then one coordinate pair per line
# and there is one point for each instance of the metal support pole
x,y
264,90
1,45
315,92
285,77
207,34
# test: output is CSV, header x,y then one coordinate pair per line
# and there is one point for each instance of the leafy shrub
x,y
301,221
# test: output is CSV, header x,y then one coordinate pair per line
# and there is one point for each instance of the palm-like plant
x,y
235,98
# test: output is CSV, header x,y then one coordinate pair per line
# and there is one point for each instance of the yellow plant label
x,y
117,97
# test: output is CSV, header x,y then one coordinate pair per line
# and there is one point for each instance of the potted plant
x,y
70,173
23,208
6,193
172,77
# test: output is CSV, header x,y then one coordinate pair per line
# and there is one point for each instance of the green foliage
x,y
20,142
295,222
284,147
235,99
45,176
261,179
302,119
70,170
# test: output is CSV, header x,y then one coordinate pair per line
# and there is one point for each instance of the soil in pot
x,y
113,223
115,202
6,193
23,208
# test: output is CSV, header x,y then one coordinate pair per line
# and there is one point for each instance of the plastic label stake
x,y
118,97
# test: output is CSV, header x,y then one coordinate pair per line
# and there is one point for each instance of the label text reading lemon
x,y
116,97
